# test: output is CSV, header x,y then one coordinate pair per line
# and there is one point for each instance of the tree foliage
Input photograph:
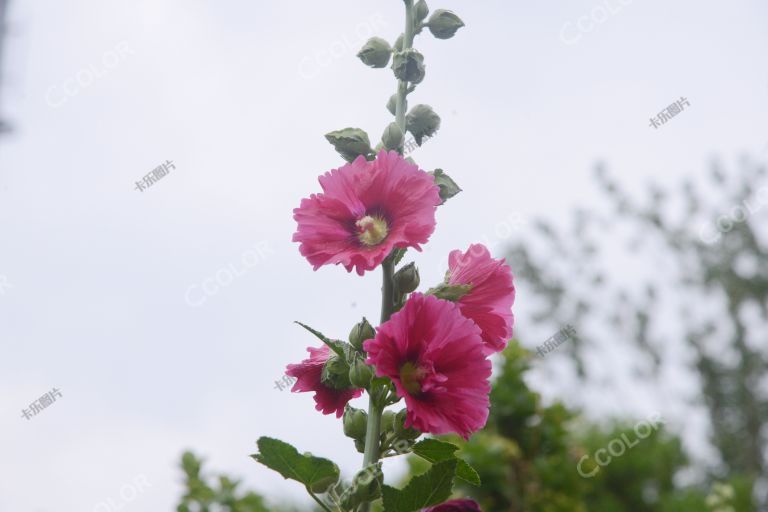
x,y
528,457
705,296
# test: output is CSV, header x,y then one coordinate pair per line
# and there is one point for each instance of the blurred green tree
x,y
528,459
708,262
220,494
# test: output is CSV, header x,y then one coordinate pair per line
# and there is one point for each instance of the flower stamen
x,y
411,376
371,230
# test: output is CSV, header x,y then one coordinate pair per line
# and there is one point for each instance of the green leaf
x,y
434,451
335,345
431,488
316,473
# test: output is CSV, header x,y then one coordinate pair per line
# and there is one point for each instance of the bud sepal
x,y
422,122
350,143
443,24
408,66
375,53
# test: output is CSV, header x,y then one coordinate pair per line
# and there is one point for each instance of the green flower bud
x,y
350,143
366,487
392,104
387,422
361,332
409,66
402,446
335,373
355,423
393,136
443,24
422,122
375,53
360,445
398,46
448,187
420,11
360,374
407,278
402,432
322,485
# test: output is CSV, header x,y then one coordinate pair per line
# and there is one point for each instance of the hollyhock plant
x,y
430,351
308,375
491,294
434,356
455,506
367,209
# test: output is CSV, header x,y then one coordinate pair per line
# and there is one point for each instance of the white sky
x,y
238,95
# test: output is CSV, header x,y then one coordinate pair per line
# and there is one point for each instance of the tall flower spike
x,y
491,295
435,358
367,209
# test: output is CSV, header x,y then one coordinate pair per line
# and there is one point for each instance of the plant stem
x,y
372,433
387,289
375,404
402,85
376,400
314,497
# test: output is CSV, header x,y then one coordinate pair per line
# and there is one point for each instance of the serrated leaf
x,y
315,473
434,451
335,345
431,488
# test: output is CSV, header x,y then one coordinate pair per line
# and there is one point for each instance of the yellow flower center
x,y
410,377
371,230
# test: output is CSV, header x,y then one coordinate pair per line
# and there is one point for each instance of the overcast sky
x,y
102,283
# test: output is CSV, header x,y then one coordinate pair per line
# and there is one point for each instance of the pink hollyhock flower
x,y
308,374
455,506
367,209
492,294
435,358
